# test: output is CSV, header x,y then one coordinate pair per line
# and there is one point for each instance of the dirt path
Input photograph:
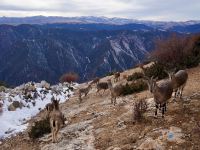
x,y
96,124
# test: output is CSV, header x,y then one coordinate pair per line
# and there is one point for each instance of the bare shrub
x,y
134,87
140,107
69,77
156,70
39,129
135,76
177,52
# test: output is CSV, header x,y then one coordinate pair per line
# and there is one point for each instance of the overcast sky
x,y
168,10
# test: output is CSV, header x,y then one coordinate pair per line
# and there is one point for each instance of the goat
x,y
49,107
115,91
95,81
178,80
161,93
57,120
116,76
125,76
85,91
102,86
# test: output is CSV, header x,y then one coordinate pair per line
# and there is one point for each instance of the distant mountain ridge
x,y
93,20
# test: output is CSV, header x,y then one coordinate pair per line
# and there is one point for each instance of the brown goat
x,y
161,92
115,91
57,120
102,86
179,81
49,107
95,81
85,91
116,76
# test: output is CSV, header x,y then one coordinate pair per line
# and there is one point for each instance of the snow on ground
x,y
13,122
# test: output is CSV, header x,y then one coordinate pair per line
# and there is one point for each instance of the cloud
x,y
134,9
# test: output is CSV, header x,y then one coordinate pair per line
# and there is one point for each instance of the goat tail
x,y
53,123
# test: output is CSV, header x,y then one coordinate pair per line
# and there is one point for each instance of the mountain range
x,y
43,48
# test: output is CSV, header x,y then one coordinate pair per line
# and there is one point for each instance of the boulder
x,y
45,84
2,89
15,105
20,88
30,87
149,143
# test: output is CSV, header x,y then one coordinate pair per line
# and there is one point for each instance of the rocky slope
x,y
96,124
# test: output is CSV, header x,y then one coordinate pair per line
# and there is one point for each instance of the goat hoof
x,y
156,117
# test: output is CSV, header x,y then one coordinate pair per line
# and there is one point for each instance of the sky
x,y
158,10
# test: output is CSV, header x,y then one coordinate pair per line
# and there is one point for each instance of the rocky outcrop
x,y
14,105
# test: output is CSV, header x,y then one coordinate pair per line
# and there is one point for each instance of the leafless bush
x,y
140,107
176,51
69,77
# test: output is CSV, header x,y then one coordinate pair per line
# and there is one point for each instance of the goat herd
x,y
161,91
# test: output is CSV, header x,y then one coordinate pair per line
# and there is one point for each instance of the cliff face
x,y
45,52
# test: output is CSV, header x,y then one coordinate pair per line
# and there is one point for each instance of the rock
x,y
21,87
121,124
9,131
2,89
175,135
144,132
30,87
117,148
133,137
45,84
113,148
127,147
149,143
14,106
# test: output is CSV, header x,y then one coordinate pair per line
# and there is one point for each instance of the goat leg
x,y
165,106
156,110
163,112
111,100
115,101
163,109
181,91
